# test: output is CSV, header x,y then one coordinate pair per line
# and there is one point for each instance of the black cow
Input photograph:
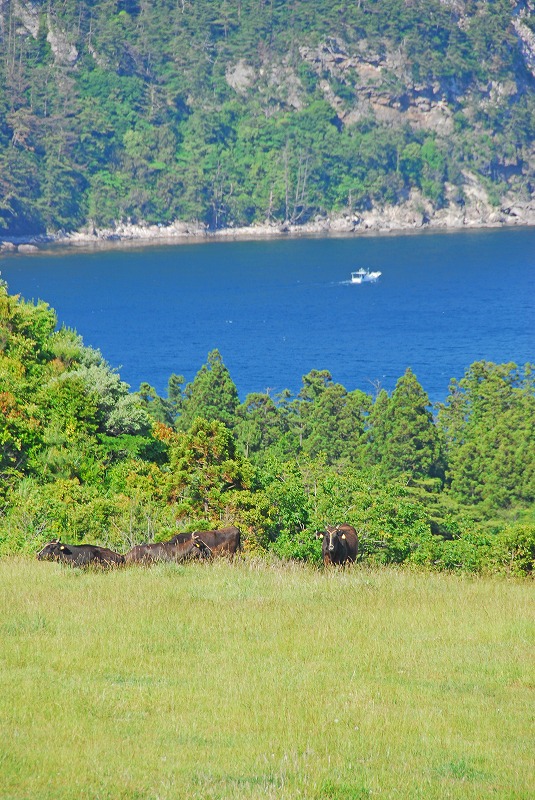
x,y
179,548
79,555
225,541
340,544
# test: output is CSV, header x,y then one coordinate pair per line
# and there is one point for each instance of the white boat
x,y
364,276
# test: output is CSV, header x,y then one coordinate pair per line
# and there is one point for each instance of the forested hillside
x,y
240,112
84,458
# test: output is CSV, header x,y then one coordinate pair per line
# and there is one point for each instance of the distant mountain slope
x,y
243,112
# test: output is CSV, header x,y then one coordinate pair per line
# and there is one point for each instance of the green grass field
x,y
253,680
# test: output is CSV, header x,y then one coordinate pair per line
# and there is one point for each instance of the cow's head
x,y
331,536
52,550
203,549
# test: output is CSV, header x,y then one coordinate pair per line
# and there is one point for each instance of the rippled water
x,y
277,309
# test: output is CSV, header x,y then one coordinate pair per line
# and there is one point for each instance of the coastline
x,y
415,216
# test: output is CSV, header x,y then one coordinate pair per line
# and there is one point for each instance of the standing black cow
x,y
225,541
179,548
80,555
340,544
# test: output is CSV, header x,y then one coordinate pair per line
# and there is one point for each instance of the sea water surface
x,y
276,309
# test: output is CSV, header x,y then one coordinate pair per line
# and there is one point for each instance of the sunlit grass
x,y
248,680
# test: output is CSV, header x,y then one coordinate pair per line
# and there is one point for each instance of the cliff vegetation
x,y
247,112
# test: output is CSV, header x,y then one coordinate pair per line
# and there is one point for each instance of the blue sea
x,y
276,309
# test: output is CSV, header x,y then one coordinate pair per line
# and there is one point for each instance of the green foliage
x,y
206,469
402,436
160,409
212,394
286,492
513,550
488,423
64,508
70,406
335,421
467,552
225,113
260,424
391,526
19,433
65,416
300,547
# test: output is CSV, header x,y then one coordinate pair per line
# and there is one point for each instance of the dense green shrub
x,y
513,550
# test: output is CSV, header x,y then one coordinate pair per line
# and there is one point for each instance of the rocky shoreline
x,y
415,215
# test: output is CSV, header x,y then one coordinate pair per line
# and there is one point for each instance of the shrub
x,y
513,550
301,546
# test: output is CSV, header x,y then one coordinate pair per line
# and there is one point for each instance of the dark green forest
x,y
84,458
245,111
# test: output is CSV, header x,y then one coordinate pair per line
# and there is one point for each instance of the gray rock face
x,y
28,16
64,51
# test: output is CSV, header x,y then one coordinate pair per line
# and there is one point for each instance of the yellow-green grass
x,y
252,680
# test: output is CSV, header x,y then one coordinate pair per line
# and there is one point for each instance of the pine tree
x,y
488,425
204,466
404,437
336,422
260,424
378,428
212,395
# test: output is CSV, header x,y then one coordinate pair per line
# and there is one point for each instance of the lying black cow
x,y
225,541
340,544
79,555
179,548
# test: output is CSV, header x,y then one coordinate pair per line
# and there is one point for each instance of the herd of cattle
x,y
340,546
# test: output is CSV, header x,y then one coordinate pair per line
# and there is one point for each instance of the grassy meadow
x,y
259,680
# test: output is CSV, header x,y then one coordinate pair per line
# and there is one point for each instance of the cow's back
x,y
178,548
143,553
224,541
108,557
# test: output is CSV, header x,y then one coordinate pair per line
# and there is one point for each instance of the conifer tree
x,y
488,424
204,466
298,411
260,424
335,423
379,427
404,437
157,407
212,395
